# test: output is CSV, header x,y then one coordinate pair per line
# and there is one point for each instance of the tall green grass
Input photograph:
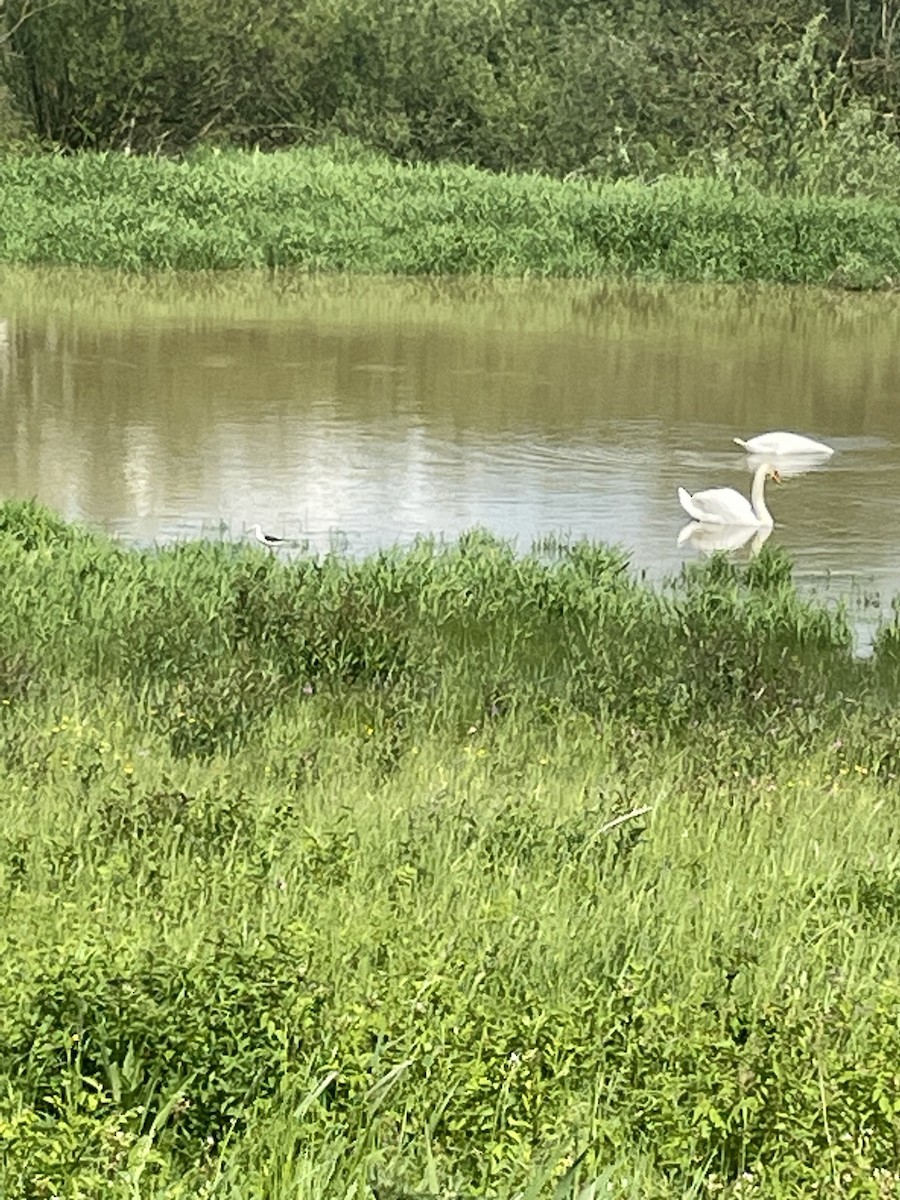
x,y
320,212
450,872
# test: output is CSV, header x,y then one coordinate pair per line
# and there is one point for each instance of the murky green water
x,y
366,412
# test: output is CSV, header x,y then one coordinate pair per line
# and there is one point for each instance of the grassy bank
x,y
446,873
312,210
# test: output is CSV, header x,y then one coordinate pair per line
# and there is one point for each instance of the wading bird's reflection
x,y
710,538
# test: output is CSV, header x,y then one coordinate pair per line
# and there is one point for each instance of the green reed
x,y
311,210
448,872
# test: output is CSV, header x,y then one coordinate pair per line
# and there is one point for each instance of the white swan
x,y
725,506
779,442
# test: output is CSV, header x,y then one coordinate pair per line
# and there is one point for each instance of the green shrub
x,y
204,1041
783,95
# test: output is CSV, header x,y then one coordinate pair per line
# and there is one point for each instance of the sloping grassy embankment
x,y
446,873
322,211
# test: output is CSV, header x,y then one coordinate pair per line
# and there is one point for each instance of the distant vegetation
x,y
670,140
326,210
450,872
784,94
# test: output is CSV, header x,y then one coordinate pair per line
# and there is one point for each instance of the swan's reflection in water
x,y
710,538
790,465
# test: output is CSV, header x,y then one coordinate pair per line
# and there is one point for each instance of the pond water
x,y
360,413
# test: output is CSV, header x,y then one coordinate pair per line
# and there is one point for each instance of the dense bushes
x,y
785,94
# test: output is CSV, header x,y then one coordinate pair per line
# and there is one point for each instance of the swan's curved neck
x,y
758,496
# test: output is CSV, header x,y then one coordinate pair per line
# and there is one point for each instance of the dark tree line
x,y
551,85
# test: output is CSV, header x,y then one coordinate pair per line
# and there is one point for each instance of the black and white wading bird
x,y
269,540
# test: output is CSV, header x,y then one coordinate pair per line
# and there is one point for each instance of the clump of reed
x,y
450,871
312,210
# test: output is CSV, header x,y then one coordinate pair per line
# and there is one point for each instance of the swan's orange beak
x,y
776,478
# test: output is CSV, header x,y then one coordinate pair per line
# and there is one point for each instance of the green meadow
x,y
460,871
450,872
346,210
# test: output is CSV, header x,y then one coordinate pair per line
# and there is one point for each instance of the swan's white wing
x,y
780,442
718,506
